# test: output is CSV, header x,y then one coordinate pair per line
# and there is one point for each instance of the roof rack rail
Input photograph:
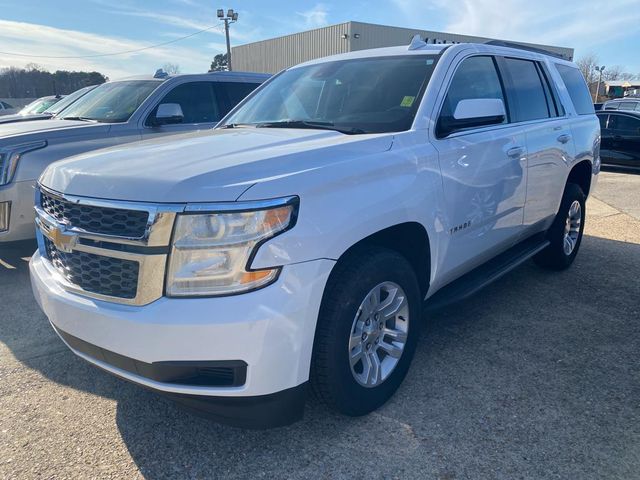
x,y
520,46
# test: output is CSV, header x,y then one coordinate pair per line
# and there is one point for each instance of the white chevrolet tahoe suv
x,y
293,247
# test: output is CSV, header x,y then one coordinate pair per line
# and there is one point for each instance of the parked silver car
x,y
114,113
7,109
632,104
51,111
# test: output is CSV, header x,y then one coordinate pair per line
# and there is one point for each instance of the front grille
x,y
96,273
100,220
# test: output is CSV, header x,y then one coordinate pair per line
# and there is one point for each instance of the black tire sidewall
x,y
340,305
555,257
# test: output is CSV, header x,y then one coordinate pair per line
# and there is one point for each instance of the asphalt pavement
x,y
535,377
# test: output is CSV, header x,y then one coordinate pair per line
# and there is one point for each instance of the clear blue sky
x,y
66,27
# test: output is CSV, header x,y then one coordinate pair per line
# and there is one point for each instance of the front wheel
x,y
367,331
565,233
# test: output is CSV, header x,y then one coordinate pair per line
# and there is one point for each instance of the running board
x,y
470,283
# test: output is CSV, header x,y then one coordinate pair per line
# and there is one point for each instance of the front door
x,y
199,105
483,172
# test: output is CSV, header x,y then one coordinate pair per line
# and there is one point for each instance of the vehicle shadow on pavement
x,y
534,377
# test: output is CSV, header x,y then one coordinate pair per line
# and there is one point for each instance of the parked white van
x,y
294,245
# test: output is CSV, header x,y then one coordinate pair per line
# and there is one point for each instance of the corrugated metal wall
x,y
271,56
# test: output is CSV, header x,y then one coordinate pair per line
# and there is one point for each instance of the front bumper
x,y
22,217
271,330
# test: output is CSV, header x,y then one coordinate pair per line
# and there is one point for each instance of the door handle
x,y
564,138
617,137
515,152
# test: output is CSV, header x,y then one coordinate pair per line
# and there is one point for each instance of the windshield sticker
x,y
407,101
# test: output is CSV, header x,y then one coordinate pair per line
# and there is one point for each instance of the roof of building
x,y
622,83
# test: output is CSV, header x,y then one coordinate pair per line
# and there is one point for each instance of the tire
x,y
564,229
337,382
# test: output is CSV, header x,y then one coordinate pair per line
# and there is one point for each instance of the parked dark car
x,y
598,106
620,138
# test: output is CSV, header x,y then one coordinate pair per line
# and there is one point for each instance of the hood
x,y
23,118
209,166
19,132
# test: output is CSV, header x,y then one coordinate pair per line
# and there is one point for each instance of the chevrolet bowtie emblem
x,y
62,240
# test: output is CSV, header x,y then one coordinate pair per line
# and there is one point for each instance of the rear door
x,y
550,148
483,174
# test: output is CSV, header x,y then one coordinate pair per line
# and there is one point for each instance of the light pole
x,y
599,70
230,18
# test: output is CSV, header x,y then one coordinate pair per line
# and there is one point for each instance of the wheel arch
x,y
409,239
580,175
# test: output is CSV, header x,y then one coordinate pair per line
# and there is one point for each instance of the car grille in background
x,y
100,220
95,273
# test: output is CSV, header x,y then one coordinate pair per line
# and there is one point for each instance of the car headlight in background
x,y
211,252
10,157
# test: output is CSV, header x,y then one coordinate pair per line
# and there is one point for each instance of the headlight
x,y
10,156
211,252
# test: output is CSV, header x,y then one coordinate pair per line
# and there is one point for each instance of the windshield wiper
x,y
84,119
311,125
236,125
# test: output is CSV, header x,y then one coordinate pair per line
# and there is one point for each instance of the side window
x,y
623,123
197,100
603,121
528,90
231,93
476,77
577,87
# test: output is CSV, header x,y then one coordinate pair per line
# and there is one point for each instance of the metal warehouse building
x,y
271,56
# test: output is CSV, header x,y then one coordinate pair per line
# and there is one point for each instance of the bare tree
x,y
613,73
629,76
587,65
171,68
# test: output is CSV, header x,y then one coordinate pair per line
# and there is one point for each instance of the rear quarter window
x,y
577,88
628,106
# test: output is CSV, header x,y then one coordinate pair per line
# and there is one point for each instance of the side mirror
x,y
168,113
473,112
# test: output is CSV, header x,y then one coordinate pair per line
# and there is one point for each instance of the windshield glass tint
x,y
370,95
45,104
112,102
30,107
66,101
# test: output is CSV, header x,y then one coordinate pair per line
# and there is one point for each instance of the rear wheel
x,y
565,234
367,331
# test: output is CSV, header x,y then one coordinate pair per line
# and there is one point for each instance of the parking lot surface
x,y
537,376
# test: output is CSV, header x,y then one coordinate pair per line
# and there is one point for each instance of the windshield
x,y
34,106
368,95
111,102
66,101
